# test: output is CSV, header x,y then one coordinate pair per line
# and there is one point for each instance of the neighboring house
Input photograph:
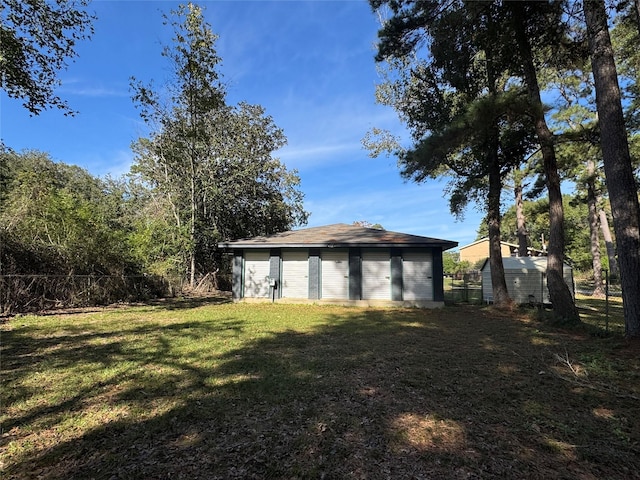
x,y
526,279
479,250
340,263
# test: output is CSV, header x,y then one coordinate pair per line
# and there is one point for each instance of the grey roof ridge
x,y
339,235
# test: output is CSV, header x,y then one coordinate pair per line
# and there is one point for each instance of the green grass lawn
x,y
204,389
602,314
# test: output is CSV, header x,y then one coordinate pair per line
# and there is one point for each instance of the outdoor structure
x,y
479,250
526,279
340,263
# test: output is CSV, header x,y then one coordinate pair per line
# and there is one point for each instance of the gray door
x,y
376,274
334,269
256,273
295,274
417,276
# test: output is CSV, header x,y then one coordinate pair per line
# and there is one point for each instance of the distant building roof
x,y
524,263
511,245
486,239
339,235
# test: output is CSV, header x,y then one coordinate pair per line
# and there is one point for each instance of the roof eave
x,y
239,246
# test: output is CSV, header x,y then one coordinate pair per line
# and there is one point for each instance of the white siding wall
x,y
256,271
376,275
417,276
295,274
567,274
487,285
524,281
335,274
521,284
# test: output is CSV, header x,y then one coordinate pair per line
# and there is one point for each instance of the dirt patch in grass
x,y
229,391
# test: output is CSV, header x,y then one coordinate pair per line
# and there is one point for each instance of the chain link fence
x,y
604,311
463,288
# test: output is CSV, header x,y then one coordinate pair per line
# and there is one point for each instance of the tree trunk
x,y
608,242
521,227
498,282
192,233
621,184
598,288
563,304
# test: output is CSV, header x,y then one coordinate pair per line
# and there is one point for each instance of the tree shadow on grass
x,y
189,302
183,302
456,393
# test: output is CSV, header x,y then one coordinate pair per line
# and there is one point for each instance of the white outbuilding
x,y
526,279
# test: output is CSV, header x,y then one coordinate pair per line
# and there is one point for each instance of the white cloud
x,y
309,156
95,92
80,87
114,164
397,206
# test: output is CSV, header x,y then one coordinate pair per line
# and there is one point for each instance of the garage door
x,y
335,274
256,273
376,275
295,274
417,276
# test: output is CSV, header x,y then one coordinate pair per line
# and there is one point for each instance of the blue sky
x,y
309,63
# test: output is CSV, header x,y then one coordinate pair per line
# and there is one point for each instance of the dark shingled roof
x,y
339,235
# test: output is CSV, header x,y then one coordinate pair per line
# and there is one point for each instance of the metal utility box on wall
x,y
526,279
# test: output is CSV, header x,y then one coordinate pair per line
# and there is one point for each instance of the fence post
x,y
453,292
606,300
465,282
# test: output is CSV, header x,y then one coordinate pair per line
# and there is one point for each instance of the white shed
x,y
526,279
